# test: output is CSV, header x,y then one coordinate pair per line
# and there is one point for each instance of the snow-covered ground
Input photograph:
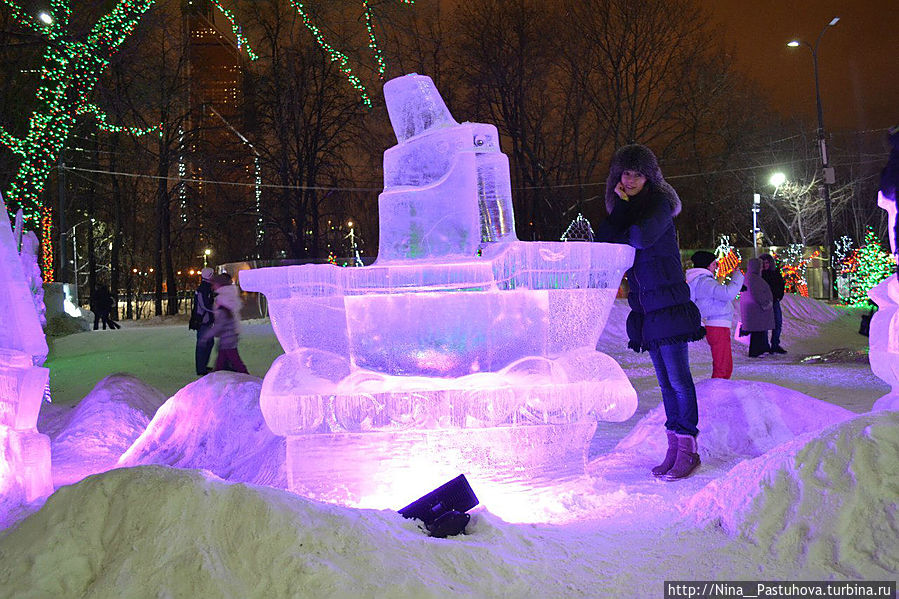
x,y
799,481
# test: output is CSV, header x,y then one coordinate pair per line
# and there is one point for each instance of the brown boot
x,y
670,455
687,459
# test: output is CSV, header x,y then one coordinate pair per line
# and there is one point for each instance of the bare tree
x,y
307,116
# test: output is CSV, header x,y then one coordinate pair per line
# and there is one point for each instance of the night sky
x,y
858,59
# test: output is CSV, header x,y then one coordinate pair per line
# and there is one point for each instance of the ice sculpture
x,y
461,349
24,453
883,335
30,248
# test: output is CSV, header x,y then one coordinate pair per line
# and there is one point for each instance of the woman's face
x,y
633,182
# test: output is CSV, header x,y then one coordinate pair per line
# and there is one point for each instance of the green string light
x,y
372,40
334,54
69,74
94,110
241,40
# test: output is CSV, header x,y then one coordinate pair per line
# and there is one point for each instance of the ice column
x,y
24,453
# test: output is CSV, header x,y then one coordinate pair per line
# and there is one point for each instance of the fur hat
x,y
221,280
636,157
702,259
206,274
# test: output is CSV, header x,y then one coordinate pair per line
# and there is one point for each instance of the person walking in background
x,y
756,309
101,304
776,282
716,304
642,207
227,324
201,320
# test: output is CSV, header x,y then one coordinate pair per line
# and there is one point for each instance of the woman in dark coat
x,y
771,275
642,207
756,309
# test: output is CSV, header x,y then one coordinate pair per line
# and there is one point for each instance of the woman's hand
x,y
619,189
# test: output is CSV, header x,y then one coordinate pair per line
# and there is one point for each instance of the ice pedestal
x,y
461,349
24,452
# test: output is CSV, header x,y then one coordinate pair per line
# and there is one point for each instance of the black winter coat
x,y
661,310
775,281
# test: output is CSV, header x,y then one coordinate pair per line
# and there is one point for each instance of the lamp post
x,y
777,179
756,208
826,171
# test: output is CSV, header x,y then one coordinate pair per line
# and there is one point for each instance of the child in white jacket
x,y
716,304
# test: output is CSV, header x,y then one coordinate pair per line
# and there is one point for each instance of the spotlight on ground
x,y
443,509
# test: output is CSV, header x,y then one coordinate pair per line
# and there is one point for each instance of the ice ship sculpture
x,y
461,349
24,453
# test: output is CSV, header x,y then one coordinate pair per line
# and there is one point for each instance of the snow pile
x,y
890,401
829,500
172,533
738,419
99,430
214,424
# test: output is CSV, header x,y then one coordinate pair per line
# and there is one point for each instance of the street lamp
x,y
777,179
45,18
826,171
206,254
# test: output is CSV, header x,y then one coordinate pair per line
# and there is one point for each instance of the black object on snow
x,y
443,509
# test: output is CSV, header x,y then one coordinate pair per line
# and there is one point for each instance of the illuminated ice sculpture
x,y
461,349
24,452
883,334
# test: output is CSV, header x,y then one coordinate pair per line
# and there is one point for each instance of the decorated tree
x,y
728,257
72,65
793,266
874,265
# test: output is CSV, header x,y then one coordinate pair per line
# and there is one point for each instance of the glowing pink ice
x,y
24,453
460,349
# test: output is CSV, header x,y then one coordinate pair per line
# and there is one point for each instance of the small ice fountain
x,y
461,349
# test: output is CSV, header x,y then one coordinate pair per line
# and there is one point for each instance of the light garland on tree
x,y
372,40
103,125
69,74
343,62
728,257
235,28
70,71
874,265
339,57
793,268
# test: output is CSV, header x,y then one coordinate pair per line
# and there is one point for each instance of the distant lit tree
x,y
874,265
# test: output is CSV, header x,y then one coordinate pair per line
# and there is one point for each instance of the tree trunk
x,y
163,232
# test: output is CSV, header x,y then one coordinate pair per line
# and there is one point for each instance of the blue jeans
x,y
672,364
778,325
204,350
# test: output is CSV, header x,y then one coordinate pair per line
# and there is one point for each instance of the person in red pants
x,y
716,304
